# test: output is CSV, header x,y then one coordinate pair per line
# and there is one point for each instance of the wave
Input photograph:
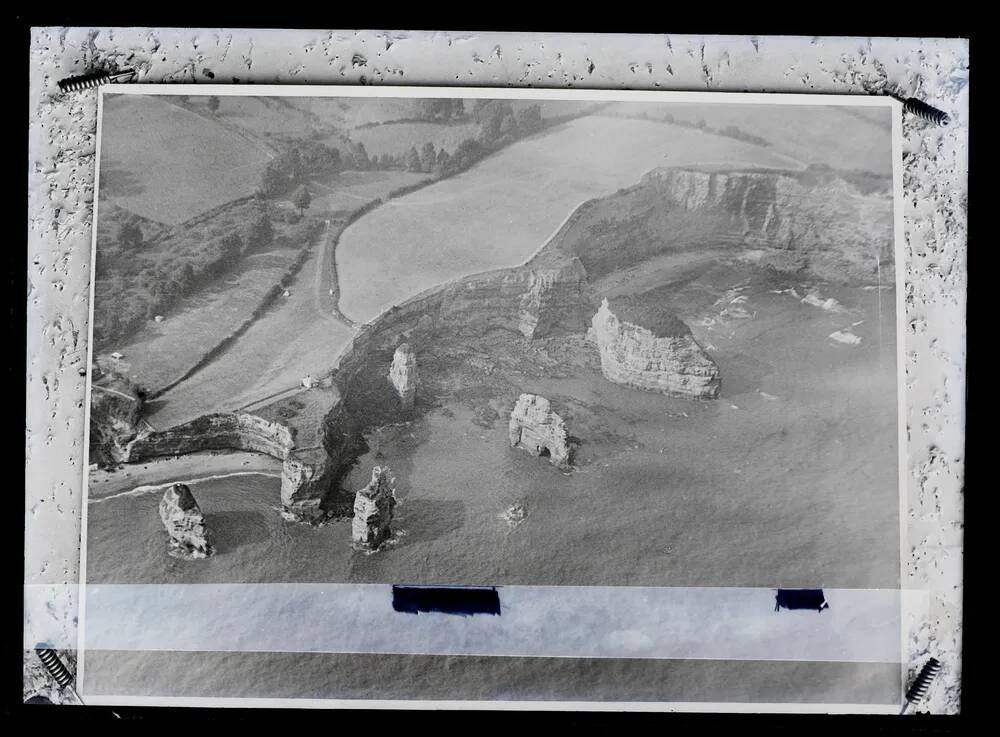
x,y
149,488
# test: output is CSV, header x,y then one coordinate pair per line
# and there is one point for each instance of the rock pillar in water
x,y
403,375
185,524
373,507
536,428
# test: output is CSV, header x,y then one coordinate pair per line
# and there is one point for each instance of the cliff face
x,y
215,432
185,524
536,428
115,412
668,361
403,375
834,225
373,508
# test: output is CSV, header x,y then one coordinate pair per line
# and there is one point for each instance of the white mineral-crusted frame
x,y
61,195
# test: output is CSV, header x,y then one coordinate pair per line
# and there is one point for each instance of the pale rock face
x,y
185,524
554,302
403,375
373,508
299,496
536,428
633,356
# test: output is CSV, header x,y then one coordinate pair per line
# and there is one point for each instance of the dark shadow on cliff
x,y
230,531
151,407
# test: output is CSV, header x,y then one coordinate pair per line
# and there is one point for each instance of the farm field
x,y
262,115
259,365
160,352
289,341
503,209
804,133
162,144
349,190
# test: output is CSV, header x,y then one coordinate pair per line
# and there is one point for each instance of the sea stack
x,y
373,506
185,524
536,428
403,375
652,352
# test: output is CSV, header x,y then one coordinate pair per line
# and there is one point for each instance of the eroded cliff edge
x,y
811,222
834,225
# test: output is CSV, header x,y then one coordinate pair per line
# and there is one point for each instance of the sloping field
x,y
503,209
150,150
840,136
263,115
160,352
348,190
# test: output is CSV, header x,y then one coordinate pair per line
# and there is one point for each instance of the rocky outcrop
x,y
835,225
403,375
554,301
305,478
115,414
373,507
215,432
185,524
536,428
663,357
304,484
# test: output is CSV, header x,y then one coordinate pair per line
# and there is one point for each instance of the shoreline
x,y
181,469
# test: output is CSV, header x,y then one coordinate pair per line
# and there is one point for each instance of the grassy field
x,y
842,137
259,364
289,341
149,149
263,115
498,213
160,352
348,190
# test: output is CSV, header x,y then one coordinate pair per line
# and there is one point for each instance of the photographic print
x,y
637,348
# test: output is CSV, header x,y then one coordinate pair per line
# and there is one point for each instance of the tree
x,y
272,180
302,199
213,103
490,116
529,118
413,160
468,152
359,156
443,159
129,234
507,128
428,157
260,232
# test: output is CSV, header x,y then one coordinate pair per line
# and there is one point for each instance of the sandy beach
x,y
183,469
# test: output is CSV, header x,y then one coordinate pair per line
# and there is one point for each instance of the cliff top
x,y
814,175
660,321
